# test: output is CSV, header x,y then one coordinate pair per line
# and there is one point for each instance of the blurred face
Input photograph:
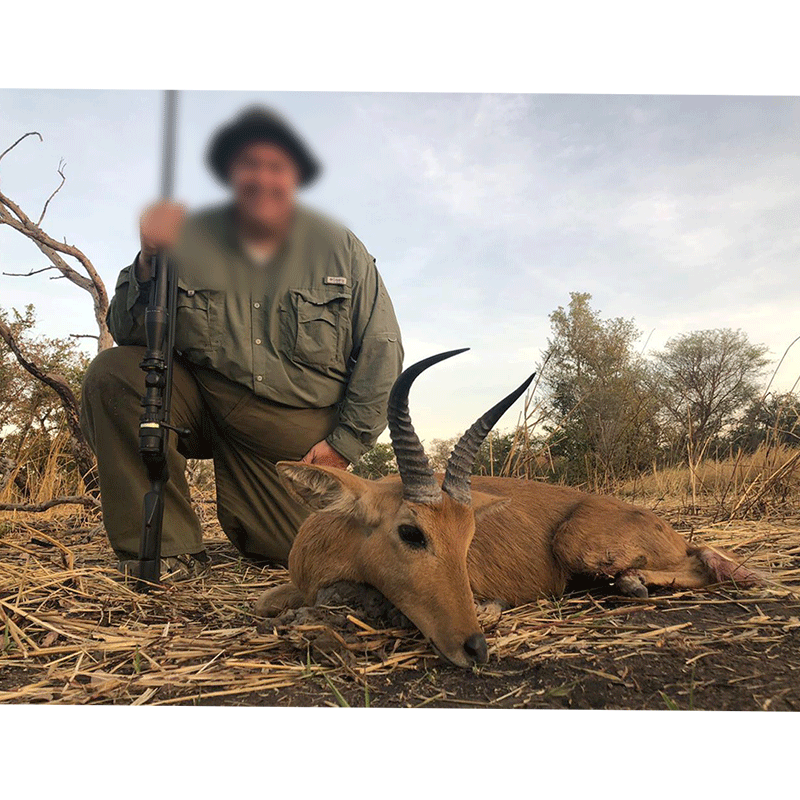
x,y
264,179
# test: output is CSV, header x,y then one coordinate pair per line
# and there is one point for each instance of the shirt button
x,y
190,292
256,305
258,341
259,377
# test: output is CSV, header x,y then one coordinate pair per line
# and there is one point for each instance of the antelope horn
x,y
419,483
462,459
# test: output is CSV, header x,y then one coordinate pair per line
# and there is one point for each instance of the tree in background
x,y
604,412
438,451
491,458
774,419
705,380
39,398
376,463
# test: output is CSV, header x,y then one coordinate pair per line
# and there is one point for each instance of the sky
x,y
483,211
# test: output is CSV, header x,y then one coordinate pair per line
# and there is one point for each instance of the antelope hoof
x,y
273,602
489,612
631,584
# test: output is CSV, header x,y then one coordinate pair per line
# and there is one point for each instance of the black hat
x,y
259,124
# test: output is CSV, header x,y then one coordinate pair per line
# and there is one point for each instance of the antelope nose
x,y
475,648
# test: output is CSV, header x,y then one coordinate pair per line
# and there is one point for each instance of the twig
x,y
24,136
61,166
28,274
79,500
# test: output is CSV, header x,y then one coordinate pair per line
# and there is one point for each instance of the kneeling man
x,y
287,347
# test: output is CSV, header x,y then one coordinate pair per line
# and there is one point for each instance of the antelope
x,y
432,545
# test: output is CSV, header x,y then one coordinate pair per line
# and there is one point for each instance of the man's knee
x,y
113,370
259,539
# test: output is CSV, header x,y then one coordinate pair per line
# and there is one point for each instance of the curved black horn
x,y
462,459
419,483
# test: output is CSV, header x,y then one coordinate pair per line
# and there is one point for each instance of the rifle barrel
x,y
168,145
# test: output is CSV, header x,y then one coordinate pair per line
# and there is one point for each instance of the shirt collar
x,y
294,235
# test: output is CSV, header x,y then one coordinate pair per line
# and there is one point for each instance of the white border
x,y
632,47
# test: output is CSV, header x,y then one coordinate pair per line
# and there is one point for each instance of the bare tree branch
x,y
12,215
79,500
28,274
24,135
61,165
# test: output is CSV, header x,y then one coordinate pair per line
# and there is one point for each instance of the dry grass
x,y
44,471
86,637
71,632
760,484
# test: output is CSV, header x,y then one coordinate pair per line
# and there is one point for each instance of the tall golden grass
x,y
49,472
758,484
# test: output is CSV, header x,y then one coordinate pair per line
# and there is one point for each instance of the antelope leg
x,y
278,599
631,582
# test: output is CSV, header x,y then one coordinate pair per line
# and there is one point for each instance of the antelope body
x,y
430,544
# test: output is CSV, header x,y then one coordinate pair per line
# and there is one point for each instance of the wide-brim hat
x,y
260,124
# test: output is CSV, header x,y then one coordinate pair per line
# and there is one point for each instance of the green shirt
x,y
312,328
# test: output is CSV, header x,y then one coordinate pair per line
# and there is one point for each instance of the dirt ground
x,y
71,632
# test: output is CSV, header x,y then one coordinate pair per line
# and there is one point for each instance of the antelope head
x,y
407,538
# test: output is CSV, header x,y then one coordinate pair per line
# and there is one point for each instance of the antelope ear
x,y
484,504
322,488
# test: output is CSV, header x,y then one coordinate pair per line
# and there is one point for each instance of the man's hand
x,y
159,228
324,455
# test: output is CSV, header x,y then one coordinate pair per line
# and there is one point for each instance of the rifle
x,y
154,425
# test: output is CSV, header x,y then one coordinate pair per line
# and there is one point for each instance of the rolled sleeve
x,y
378,352
347,444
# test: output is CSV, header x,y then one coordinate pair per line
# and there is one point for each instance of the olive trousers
x,y
244,434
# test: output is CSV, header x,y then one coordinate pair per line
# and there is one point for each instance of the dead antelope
x,y
431,544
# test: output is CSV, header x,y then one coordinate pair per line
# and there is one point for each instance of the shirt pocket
x,y
322,317
196,330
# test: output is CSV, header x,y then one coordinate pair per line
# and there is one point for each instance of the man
x,y
286,348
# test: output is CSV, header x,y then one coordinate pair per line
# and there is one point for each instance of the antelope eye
x,y
412,536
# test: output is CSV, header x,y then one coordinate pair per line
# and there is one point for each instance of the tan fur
x,y
520,540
